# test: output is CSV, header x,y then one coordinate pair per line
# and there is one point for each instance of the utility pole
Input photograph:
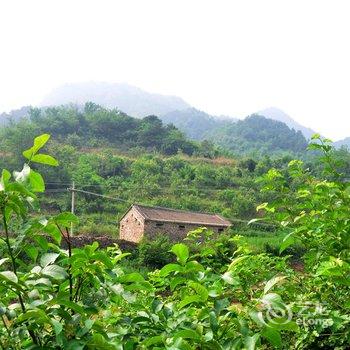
x,y
72,205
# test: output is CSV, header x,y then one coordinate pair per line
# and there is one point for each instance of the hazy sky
x,y
224,57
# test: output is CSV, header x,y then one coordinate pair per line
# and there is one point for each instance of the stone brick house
x,y
142,220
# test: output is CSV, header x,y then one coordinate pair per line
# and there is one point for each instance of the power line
x,y
74,190
98,195
160,189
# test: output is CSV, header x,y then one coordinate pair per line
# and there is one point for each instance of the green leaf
x,y
39,316
70,304
189,300
273,336
9,275
175,281
236,261
230,278
54,271
131,277
254,220
214,325
272,282
36,182
170,268
199,289
251,341
158,339
273,300
99,342
193,266
3,260
120,257
283,323
54,232
287,242
5,177
42,241
44,159
57,326
84,330
32,252
145,286
48,259
181,251
39,142
187,334
262,206
65,219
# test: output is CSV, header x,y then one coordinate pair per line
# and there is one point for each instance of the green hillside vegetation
x,y
95,126
215,293
194,123
140,160
254,136
257,136
343,143
133,160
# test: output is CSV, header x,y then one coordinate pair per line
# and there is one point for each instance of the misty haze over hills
x,y
279,115
136,102
129,99
345,142
194,123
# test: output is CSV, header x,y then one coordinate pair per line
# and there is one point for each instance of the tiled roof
x,y
180,216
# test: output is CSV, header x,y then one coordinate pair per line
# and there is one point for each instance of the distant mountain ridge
x,y
277,114
14,115
343,143
194,123
129,99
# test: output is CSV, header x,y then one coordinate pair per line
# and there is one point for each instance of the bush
x,y
154,253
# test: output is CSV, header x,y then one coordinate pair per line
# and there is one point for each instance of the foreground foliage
x,y
216,295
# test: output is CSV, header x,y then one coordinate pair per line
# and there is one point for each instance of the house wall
x,y
175,231
132,226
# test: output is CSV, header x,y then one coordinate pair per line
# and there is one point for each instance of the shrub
x,y
154,253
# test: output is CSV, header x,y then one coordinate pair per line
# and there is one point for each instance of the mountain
x,y
257,135
343,143
194,123
129,99
14,115
279,115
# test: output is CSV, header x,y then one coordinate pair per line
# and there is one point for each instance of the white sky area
x,y
223,57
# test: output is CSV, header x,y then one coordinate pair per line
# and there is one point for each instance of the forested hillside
x,y
343,143
94,126
13,116
279,115
134,160
196,124
257,135
141,160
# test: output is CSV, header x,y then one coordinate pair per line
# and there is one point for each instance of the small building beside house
x,y
142,220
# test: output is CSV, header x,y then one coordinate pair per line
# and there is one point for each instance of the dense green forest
x,y
257,135
254,136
